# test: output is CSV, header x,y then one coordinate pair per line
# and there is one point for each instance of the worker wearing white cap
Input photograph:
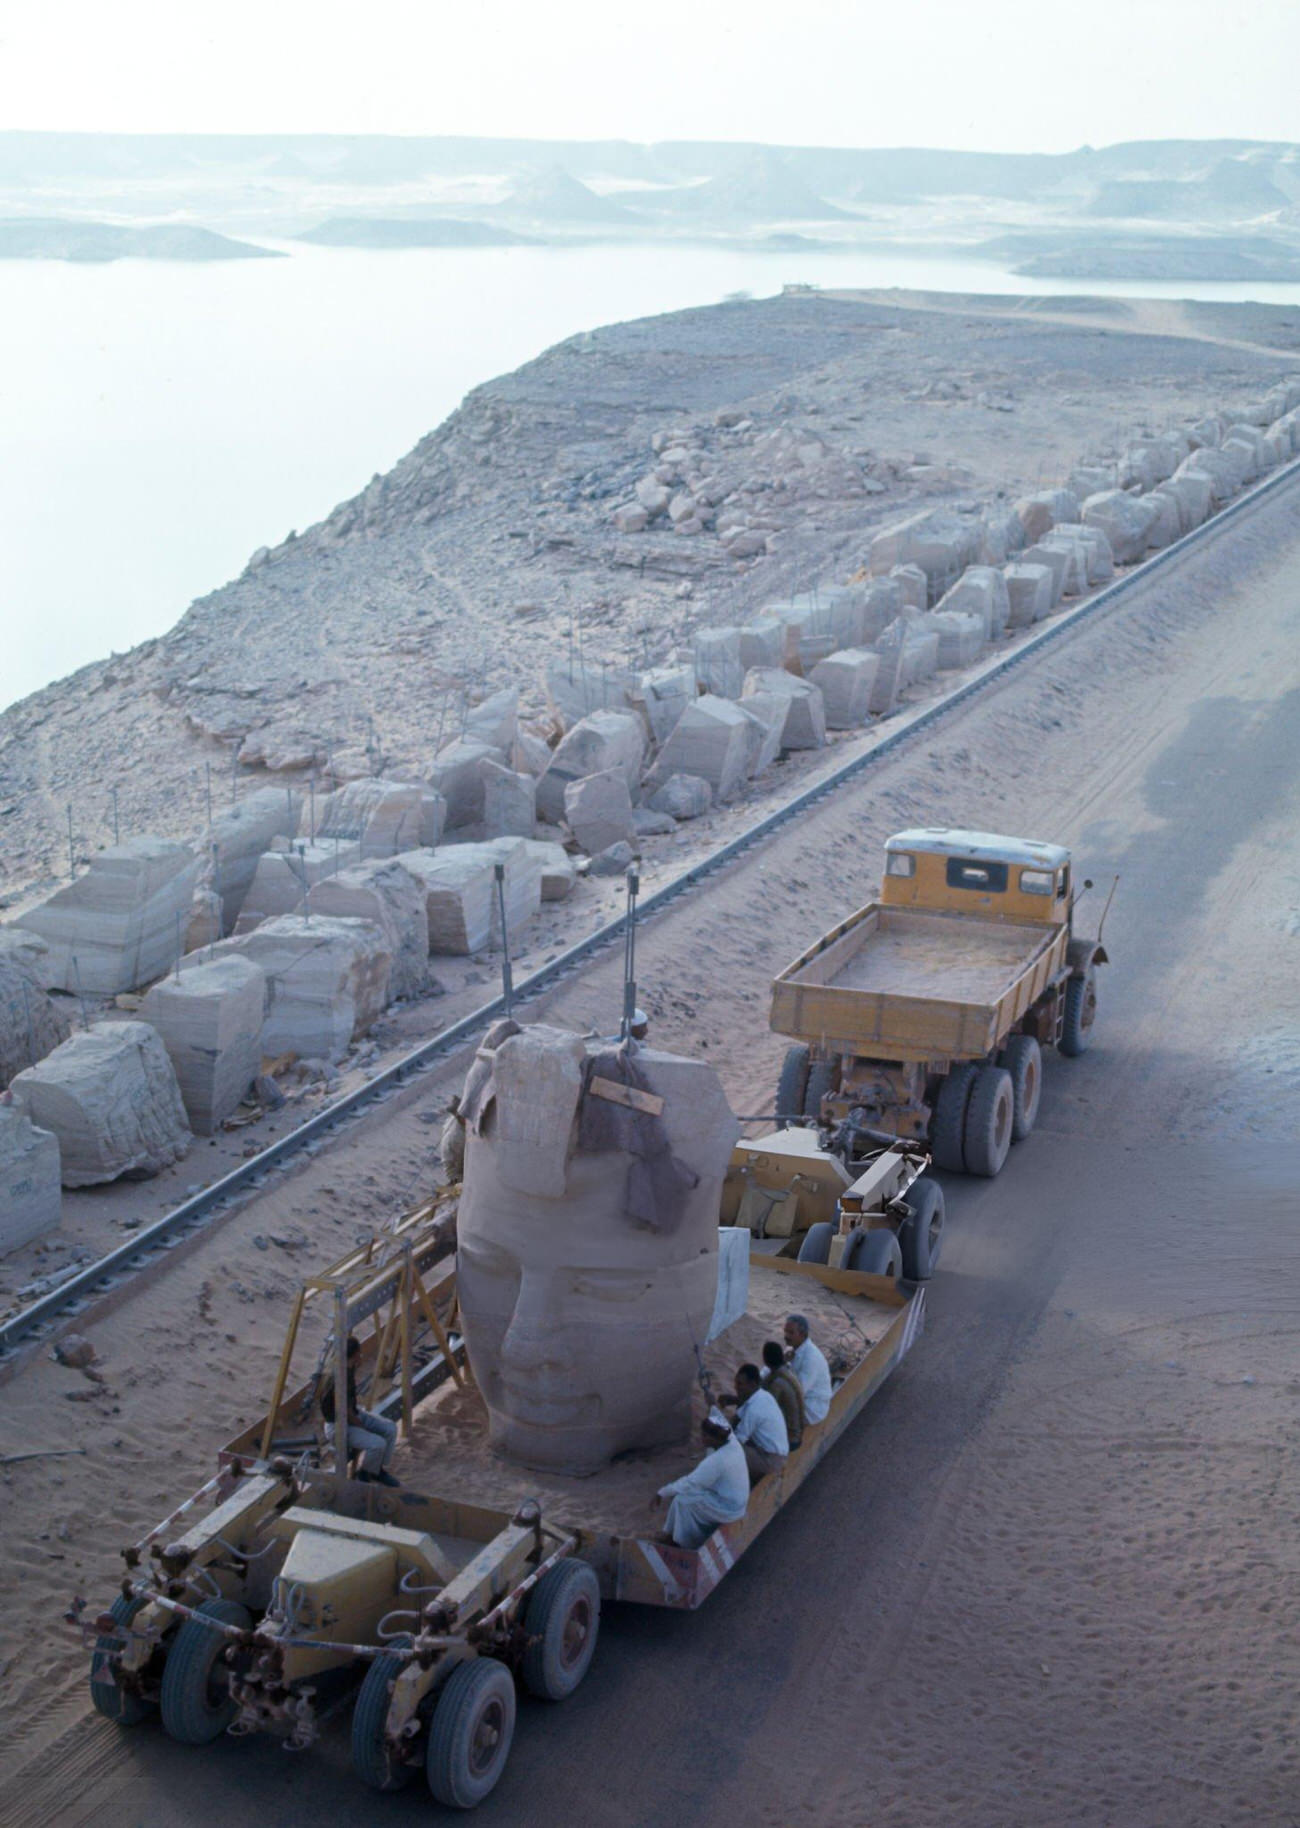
x,y
716,1492
808,1362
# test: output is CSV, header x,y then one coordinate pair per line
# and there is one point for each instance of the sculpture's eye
x,y
610,1284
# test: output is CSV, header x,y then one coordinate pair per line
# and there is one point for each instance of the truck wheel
x,y
948,1127
792,1084
473,1726
563,1619
1023,1059
920,1237
106,1697
1080,1014
372,1760
196,1702
816,1246
821,1080
876,1254
989,1117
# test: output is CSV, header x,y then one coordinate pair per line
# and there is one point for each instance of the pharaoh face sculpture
x,y
581,1325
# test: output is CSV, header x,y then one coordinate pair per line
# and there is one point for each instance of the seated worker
x,y
716,1492
759,1425
786,1388
808,1362
372,1436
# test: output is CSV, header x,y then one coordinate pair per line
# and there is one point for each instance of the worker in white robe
x,y
716,1492
808,1362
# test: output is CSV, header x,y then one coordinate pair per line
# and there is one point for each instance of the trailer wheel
x,y
1080,1014
1023,1059
821,1080
948,1128
816,1246
372,1760
989,1117
792,1084
563,1620
920,1237
196,1702
470,1738
876,1253
106,1697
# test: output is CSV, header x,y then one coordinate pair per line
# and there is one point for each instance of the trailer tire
x,y
948,1126
816,1246
920,1237
372,1761
792,1084
1080,1014
106,1697
821,1080
1023,1059
875,1253
470,1738
989,1117
563,1620
196,1705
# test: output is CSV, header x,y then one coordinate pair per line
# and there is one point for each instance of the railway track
x,y
41,1318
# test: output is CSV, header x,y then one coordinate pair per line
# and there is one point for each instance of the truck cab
x,y
964,872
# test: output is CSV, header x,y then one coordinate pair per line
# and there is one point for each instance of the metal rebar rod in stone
x,y
507,979
311,790
31,1026
207,785
629,954
72,857
234,777
117,836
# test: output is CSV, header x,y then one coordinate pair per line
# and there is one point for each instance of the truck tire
x,y
989,1117
948,1126
920,1237
792,1084
816,1246
563,1620
1023,1059
821,1080
372,1760
876,1254
1080,1014
195,1700
470,1738
106,1697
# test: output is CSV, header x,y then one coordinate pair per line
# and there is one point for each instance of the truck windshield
x,y
987,878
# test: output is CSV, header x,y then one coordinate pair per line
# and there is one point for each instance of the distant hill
x,y
765,188
432,232
1235,188
1147,257
34,238
554,195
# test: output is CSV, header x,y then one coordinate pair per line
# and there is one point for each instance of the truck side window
x,y
987,878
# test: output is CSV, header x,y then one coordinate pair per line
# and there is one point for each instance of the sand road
x,y
1051,1576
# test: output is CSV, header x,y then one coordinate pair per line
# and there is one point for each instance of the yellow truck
x,y
924,1016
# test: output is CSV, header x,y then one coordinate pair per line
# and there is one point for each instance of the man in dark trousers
x,y
370,1435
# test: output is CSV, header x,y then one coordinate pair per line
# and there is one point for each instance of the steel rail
x,y
76,1293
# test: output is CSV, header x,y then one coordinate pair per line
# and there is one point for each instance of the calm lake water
x,y
159,422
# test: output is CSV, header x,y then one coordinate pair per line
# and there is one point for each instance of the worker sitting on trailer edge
x,y
786,1388
759,1425
808,1362
372,1436
716,1492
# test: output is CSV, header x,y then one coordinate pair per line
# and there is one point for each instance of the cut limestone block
x,y
1166,519
683,796
522,885
457,774
1075,554
1040,512
1219,471
913,586
1125,519
805,716
710,740
210,1018
1092,477
1100,561
1205,433
240,835
961,637
123,923
1030,593
598,810
531,754
1240,455
285,877
204,927
326,981
384,817
909,651
648,823
496,720
31,1195
733,1278
849,608
558,875
459,887
762,642
663,694
806,635
1253,438
1195,494
575,690
882,604
31,1023
604,740
936,540
766,714
109,1094
615,861
981,591
1055,560
384,892
509,802
999,536
717,661
845,681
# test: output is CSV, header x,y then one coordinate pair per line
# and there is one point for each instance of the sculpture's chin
x,y
577,1449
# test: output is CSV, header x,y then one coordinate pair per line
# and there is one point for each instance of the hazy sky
x,y
1014,75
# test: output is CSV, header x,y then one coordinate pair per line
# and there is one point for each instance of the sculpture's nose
x,y
535,1344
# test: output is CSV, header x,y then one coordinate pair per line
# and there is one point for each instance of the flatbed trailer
x,y
285,1577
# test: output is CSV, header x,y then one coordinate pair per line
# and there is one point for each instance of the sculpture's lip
x,y
533,1406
